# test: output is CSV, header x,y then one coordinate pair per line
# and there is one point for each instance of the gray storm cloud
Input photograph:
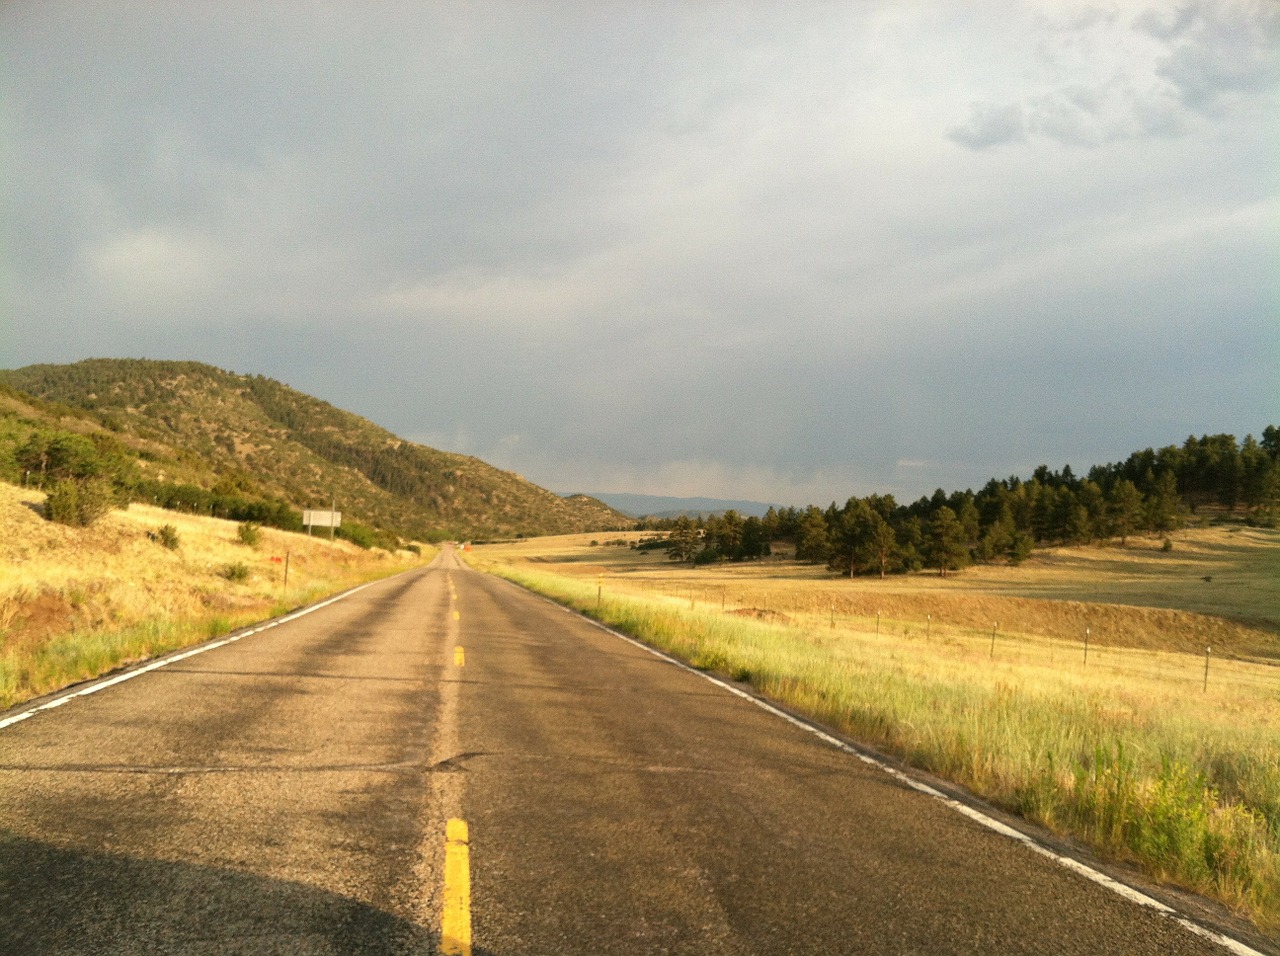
x,y
727,250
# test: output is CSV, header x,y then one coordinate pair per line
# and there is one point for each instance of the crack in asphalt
x,y
453,764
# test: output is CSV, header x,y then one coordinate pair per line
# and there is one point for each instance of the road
x,y
292,792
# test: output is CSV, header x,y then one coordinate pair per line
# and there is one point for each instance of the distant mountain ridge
x,y
662,506
204,426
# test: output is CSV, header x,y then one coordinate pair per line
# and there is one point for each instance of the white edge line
x,y
1075,866
173,658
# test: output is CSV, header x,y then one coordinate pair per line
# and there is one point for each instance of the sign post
x,y
322,519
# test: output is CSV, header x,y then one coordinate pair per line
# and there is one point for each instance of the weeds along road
x,y
292,793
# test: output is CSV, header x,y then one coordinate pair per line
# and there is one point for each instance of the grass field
x,y
984,678
79,602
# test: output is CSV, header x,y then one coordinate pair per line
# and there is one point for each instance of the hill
x,y
196,437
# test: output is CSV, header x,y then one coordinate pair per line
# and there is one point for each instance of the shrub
x,y
250,534
79,503
63,502
359,535
168,536
1021,547
239,571
708,555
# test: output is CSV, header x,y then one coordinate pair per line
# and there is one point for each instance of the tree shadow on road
x,y
67,901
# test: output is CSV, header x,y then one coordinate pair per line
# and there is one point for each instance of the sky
x,y
791,252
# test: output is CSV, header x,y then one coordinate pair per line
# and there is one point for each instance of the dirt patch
x,y
35,619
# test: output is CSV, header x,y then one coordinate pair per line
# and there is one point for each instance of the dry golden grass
x,y
1137,596
115,589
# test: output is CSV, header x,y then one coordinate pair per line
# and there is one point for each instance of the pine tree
x,y
813,540
1164,507
883,544
1124,509
685,540
946,540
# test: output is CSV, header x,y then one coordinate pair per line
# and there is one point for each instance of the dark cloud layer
x,y
791,254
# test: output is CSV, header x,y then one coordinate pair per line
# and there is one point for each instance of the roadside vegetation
x,y
984,678
77,602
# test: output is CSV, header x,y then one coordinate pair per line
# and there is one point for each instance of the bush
x,y
361,535
168,536
63,503
250,534
1021,547
708,555
79,503
236,572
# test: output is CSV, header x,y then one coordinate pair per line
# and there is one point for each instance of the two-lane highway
x,y
442,761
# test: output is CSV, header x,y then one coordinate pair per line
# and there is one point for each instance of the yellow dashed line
x,y
458,657
455,922
457,616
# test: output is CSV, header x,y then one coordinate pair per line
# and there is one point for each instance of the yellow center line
x,y
455,922
458,657
457,616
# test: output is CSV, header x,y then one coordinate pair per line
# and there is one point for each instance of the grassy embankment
x,y
78,602
1125,750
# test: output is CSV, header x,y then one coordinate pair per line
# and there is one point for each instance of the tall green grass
x,y
27,672
1144,769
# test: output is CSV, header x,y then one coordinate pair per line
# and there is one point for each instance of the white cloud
x,y
1221,53
1097,78
990,125
154,272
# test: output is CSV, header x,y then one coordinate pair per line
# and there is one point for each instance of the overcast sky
x,y
787,251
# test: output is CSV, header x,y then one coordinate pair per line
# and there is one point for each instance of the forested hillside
x,y
1213,477
189,436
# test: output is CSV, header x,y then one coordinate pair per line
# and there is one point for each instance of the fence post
x,y
993,640
1207,652
1086,647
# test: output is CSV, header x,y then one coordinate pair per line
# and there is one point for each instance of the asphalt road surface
x,y
292,792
